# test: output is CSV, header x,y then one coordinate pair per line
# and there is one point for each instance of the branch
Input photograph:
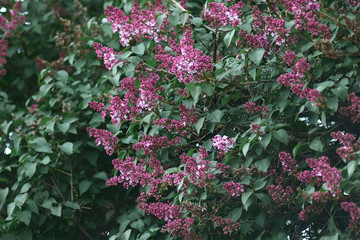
x,y
177,5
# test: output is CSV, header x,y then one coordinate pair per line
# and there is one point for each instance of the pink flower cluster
x,y
293,80
135,99
223,143
251,107
97,106
234,189
228,224
350,145
108,54
219,15
3,55
276,27
289,57
256,129
256,40
187,119
140,24
130,174
354,3
288,163
150,143
197,172
104,137
352,110
354,222
280,195
326,174
33,108
305,16
7,27
188,64
172,214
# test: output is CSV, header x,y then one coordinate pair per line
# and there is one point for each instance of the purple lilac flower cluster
x,y
350,145
104,137
223,144
108,54
234,189
7,27
141,23
294,81
219,15
354,211
188,64
353,110
227,224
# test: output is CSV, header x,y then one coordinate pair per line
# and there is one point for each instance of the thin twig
x,y
71,183
57,189
62,171
84,231
177,5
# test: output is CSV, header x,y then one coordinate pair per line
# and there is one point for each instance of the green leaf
x,y
138,225
44,89
126,235
341,92
160,19
56,210
184,18
236,214
45,160
84,186
351,166
32,206
101,175
124,55
5,126
331,237
332,103
215,116
324,85
196,21
207,89
67,148
265,140
245,148
17,139
144,236
30,169
139,49
244,199
316,145
228,37
40,144
256,55
62,76
263,164
25,188
63,127
259,184
25,217
199,125
3,194
72,205
10,208
281,135
195,93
